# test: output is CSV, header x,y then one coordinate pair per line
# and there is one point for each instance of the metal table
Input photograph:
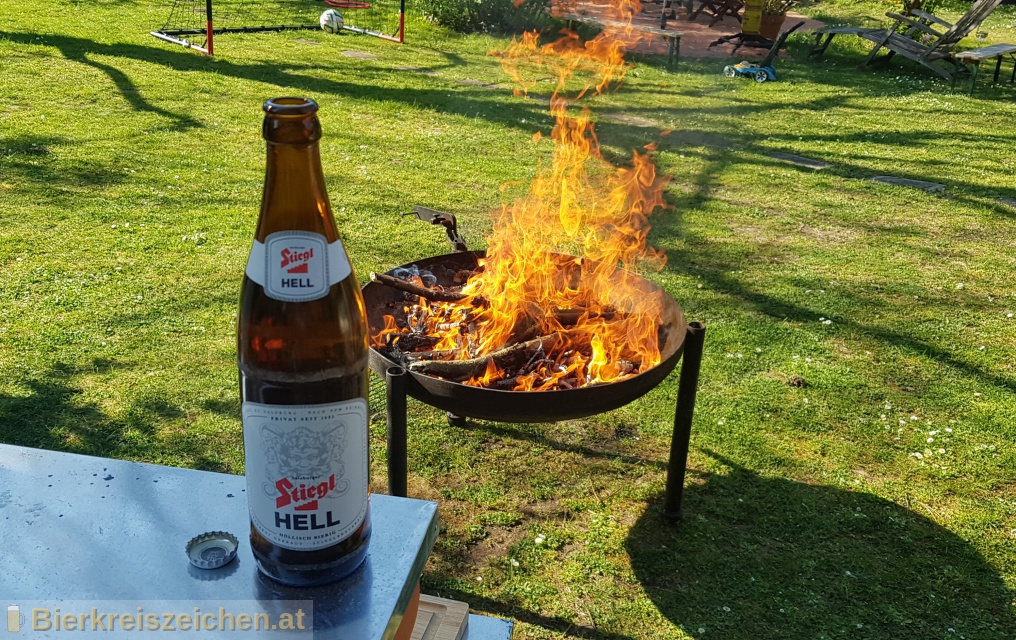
x,y
80,529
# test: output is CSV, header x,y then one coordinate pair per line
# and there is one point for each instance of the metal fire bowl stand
x,y
678,338
400,384
462,401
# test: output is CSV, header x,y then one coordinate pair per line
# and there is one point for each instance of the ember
x,y
557,302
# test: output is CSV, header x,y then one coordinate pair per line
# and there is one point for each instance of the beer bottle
x,y
302,355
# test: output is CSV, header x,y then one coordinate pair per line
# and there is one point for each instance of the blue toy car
x,y
750,70
760,71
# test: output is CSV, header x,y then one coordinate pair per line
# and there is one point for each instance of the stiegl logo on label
x,y
306,499
302,494
296,257
297,266
296,261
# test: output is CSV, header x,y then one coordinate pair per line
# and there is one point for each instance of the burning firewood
x,y
473,367
570,317
410,342
424,292
508,384
439,354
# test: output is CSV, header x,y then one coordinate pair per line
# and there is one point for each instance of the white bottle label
x,y
297,266
307,471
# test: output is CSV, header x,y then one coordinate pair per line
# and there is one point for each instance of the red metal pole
x,y
208,27
402,21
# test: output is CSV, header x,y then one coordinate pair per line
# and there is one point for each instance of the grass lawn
x,y
876,501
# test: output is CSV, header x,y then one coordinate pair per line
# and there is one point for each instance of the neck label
x,y
297,266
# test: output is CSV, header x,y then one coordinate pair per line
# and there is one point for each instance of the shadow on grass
x,y
514,433
53,414
761,558
490,105
83,51
717,273
480,103
31,157
732,147
451,59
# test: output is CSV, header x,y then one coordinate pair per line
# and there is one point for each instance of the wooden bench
x,y
672,38
974,57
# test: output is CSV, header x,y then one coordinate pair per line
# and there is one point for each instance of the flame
x,y
602,57
492,374
391,327
565,257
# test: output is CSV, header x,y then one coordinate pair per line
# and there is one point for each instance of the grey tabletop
x,y
79,529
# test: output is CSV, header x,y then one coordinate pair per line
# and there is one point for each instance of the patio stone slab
x,y
539,99
907,182
360,55
638,121
800,161
426,72
469,82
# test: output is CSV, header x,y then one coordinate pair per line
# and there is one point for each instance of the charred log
x,y
508,384
571,317
426,293
473,367
439,354
409,342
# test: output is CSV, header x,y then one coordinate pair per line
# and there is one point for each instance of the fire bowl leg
x,y
395,382
679,442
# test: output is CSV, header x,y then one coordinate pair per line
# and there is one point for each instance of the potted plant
x,y
774,12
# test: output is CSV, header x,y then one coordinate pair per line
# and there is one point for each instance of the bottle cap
x,y
212,550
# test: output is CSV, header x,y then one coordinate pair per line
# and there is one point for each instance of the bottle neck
x,y
294,195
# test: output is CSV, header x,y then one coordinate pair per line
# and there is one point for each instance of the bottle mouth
x,y
290,106
291,121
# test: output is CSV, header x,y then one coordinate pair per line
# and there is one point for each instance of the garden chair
x,y
919,36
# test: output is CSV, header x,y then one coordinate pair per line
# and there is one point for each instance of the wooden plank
x,y
423,623
441,619
993,51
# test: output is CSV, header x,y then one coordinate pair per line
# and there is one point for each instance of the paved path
x,y
696,36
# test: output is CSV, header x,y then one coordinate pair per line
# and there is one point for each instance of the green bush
x,y
488,16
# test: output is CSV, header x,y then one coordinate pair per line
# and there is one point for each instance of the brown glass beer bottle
x,y
302,355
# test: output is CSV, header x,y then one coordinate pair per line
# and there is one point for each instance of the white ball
x,y
331,21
